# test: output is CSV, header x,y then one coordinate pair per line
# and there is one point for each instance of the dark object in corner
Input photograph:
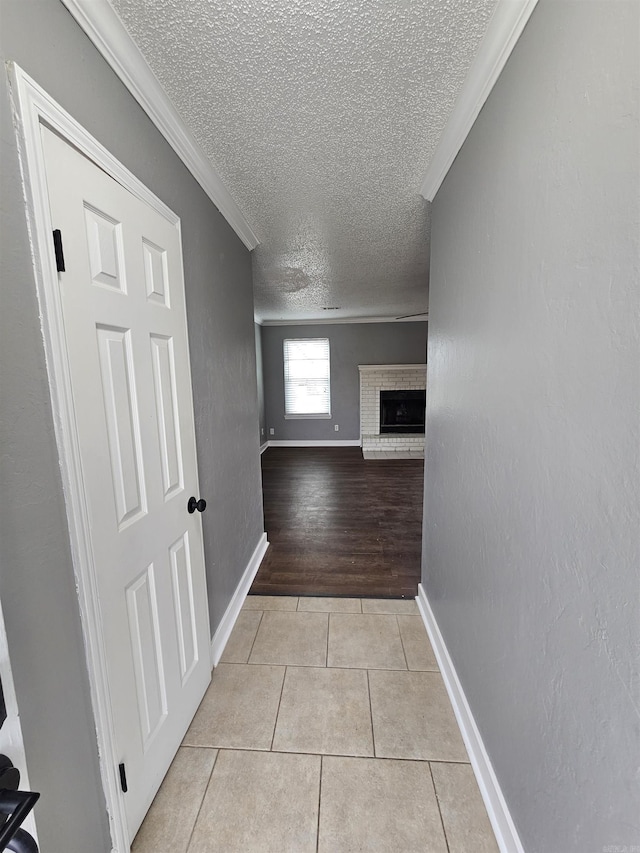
x,y
3,707
14,807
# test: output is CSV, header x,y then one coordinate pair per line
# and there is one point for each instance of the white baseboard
x,y
352,442
263,447
503,826
227,622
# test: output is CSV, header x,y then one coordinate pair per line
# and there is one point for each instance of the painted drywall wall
x,y
350,344
37,582
262,426
532,519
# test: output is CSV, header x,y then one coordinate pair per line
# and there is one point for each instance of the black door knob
x,y
193,505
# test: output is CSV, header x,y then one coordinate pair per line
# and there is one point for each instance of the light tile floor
x,y
326,728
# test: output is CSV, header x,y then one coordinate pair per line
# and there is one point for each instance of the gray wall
x,y
351,344
262,424
532,508
36,575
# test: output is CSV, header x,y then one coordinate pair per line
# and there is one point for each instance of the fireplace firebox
x,y
402,411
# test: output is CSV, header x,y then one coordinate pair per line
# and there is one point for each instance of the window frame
x,y
285,360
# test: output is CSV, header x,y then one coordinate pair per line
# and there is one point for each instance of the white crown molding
x,y
102,25
337,321
505,27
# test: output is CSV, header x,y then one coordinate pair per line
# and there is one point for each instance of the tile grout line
x,y
255,636
323,666
326,659
332,755
319,805
275,724
435,791
373,736
404,651
204,794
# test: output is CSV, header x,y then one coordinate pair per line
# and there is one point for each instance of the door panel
x,y
164,381
155,269
124,316
123,427
182,578
144,631
104,240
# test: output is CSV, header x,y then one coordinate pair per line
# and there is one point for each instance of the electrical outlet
x,y
336,427
272,431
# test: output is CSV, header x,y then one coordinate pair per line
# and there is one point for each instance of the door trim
x,y
32,106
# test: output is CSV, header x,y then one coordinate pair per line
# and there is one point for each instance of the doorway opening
x,y
340,525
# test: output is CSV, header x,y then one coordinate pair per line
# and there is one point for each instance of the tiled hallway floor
x,y
326,727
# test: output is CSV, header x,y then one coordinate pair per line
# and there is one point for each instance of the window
x,y
306,378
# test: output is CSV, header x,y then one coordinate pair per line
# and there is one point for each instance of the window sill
x,y
307,417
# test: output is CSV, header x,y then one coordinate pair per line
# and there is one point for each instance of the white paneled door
x,y
122,295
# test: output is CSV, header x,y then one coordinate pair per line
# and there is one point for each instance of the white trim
x,y
366,368
263,447
497,809
31,106
336,321
355,442
315,417
505,27
232,612
104,28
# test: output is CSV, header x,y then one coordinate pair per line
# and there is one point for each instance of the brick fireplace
x,y
375,378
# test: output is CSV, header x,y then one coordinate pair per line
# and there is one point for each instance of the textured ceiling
x,y
321,117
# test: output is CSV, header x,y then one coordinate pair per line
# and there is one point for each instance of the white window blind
x,y
306,378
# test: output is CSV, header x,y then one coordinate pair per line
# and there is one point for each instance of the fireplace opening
x,y
402,411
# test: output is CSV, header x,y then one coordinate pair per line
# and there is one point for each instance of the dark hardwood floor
x,y
340,525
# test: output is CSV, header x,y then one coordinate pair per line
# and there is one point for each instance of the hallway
x,y
326,727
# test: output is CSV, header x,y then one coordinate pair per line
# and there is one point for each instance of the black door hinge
x,y
57,245
123,778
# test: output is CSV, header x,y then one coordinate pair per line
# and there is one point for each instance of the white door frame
x,y
32,106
